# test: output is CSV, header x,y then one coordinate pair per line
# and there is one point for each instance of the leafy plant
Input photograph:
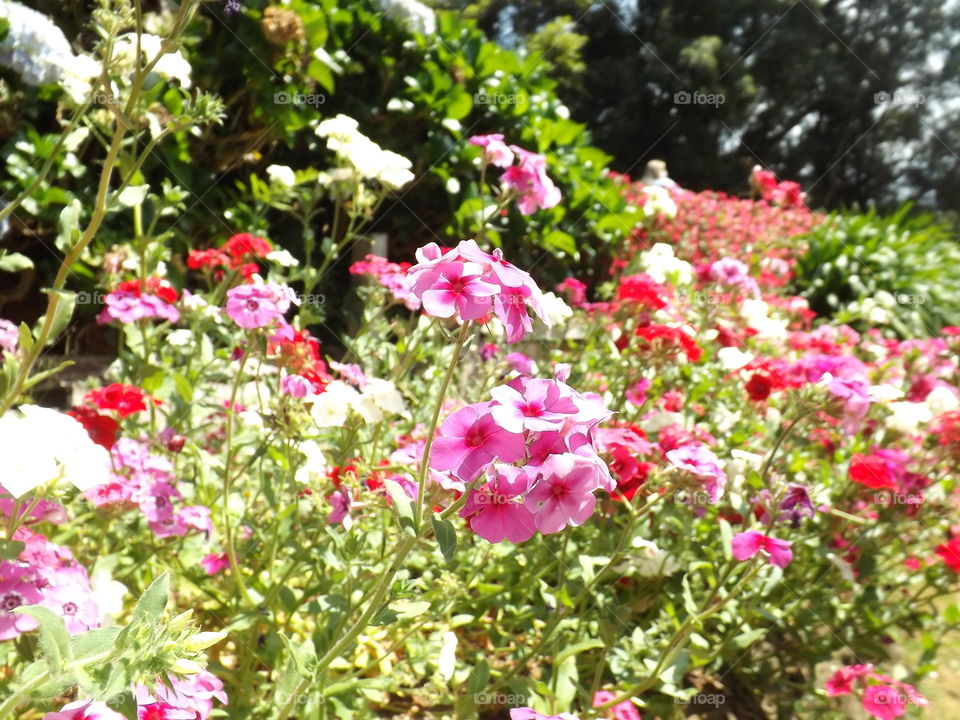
x,y
869,269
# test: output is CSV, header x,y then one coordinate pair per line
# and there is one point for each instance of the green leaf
x,y
14,262
579,648
69,226
95,642
11,549
304,656
62,313
409,608
54,638
446,536
153,601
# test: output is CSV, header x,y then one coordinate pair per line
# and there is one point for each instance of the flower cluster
x,y
532,447
468,283
37,49
883,697
392,276
527,178
48,575
240,253
146,481
785,194
368,160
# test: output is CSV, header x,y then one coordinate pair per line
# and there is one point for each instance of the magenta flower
x,y
625,710
564,494
340,503
127,307
700,461
185,698
459,291
214,563
470,439
256,306
520,363
884,702
495,150
296,386
747,544
496,510
467,283
530,181
539,407
841,682
18,587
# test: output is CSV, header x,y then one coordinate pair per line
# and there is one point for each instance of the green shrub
x,y
872,270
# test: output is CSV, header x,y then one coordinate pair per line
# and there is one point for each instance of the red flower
x,y
759,387
152,286
874,472
103,430
244,247
208,259
671,339
950,552
642,289
125,400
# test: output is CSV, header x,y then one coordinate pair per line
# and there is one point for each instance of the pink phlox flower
x,y
747,544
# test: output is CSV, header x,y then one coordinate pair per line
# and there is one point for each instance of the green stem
x,y
431,430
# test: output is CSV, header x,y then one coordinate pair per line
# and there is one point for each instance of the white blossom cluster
x,y
367,158
40,53
413,15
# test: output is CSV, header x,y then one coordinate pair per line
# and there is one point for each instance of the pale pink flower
x,y
128,307
525,713
539,407
9,336
459,291
497,511
530,181
84,710
295,385
256,306
700,461
564,494
747,544
18,587
495,150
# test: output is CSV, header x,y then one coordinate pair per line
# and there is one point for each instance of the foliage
x,y
876,269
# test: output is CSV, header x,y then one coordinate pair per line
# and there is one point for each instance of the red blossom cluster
x,y
239,253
